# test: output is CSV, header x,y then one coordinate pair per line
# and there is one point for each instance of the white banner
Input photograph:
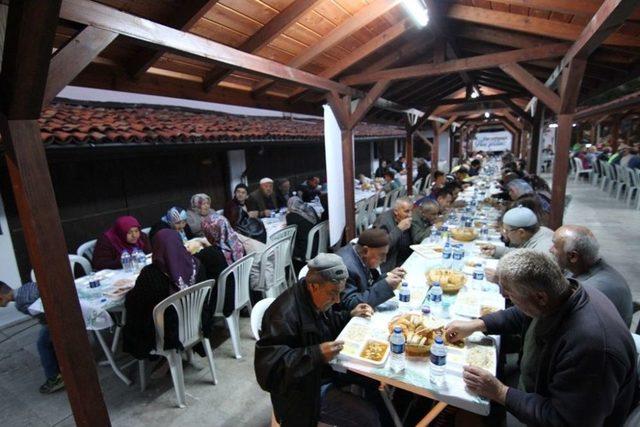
x,y
492,141
335,183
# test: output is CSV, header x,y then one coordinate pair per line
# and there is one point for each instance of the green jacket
x,y
420,228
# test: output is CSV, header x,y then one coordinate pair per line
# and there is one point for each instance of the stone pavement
x,y
237,400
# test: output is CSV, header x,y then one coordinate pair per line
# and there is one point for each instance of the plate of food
x,y
428,250
482,356
451,281
375,352
360,345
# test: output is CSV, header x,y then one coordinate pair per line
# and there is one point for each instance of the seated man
x,y
578,363
297,341
310,188
520,229
365,284
443,198
576,249
424,216
237,205
439,180
24,296
396,222
262,201
474,168
283,192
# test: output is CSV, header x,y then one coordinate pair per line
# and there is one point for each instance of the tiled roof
x,y
65,123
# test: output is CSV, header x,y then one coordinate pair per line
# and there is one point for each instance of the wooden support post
x,y
408,152
435,155
592,134
29,38
349,177
536,136
615,131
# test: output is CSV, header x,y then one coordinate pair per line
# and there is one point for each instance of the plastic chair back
x,y
188,304
321,231
277,256
303,272
86,249
394,196
240,272
73,261
257,314
372,202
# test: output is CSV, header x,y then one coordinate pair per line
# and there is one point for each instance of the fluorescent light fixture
x,y
418,11
486,114
553,125
475,94
588,145
574,125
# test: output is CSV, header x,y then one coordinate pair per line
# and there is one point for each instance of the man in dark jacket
x,y
365,284
397,223
578,363
297,341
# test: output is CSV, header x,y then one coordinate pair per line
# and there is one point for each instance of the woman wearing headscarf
x,y
171,270
175,219
200,209
304,216
124,235
225,249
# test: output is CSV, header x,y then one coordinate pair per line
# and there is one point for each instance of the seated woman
x,y
225,249
124,235
305,217
200,209
172,269
175,219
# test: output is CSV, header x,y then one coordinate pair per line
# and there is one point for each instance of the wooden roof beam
x,y
569,7
464,64
363,17
265,35
184,18
533,85
107,18
478,100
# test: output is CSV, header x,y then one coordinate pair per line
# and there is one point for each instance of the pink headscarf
x,y
219,233
117,235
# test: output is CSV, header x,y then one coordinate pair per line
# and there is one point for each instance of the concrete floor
x,y
237,400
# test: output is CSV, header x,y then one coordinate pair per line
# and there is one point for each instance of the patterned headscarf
x,y
219,233
297,206
173,259
173,216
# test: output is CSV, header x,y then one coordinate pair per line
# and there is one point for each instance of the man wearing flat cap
x,y
262,201
365,284
297,342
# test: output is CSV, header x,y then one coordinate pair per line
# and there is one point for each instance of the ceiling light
x,y
418,11
474,94
553,125
486,114
574,125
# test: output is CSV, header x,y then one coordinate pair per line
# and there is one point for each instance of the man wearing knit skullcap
x,y
365,284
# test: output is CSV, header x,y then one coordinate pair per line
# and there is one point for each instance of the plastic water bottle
x,y
405,296
135,260
484,232
446,255
398,361
458,254
142,259
478,276
435,234
435,299
438,362
125,260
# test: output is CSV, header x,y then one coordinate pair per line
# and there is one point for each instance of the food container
x,y
464,234
359,341
451,281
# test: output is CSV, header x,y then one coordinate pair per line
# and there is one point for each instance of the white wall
x,y
8,267
237,166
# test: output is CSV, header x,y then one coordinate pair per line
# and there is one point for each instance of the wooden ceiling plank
x,y
364,16
100,16
464,64
531,25
533,85
264,36
184,18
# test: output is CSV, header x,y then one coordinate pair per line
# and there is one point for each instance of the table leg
x,y
387,402
109,356
434,412
116,334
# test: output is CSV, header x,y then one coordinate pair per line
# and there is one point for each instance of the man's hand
x,y
330,349
405,224
460,329
491,275
488,249
266,213
399,271
393,281
254,214
483,383
362,310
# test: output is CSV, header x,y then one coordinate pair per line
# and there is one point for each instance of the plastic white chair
x,y
257,314
86,249
288,232
580,170
276,256
386,205
303,272
394,196
73,261
606,175
634,185
372,202
321,231
146,230
623,181
188,304
239,272
362,216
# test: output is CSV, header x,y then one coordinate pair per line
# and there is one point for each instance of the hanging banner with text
x,y
492,141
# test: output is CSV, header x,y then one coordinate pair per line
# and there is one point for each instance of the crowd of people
x,y
626,154
568,308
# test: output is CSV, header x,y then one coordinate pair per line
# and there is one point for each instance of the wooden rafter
x,y
264,36
361,18
184,18
465,64
569,7
533,85
365,104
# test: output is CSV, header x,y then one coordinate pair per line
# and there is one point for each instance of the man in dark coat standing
x,y
365,284
297,342
578,363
